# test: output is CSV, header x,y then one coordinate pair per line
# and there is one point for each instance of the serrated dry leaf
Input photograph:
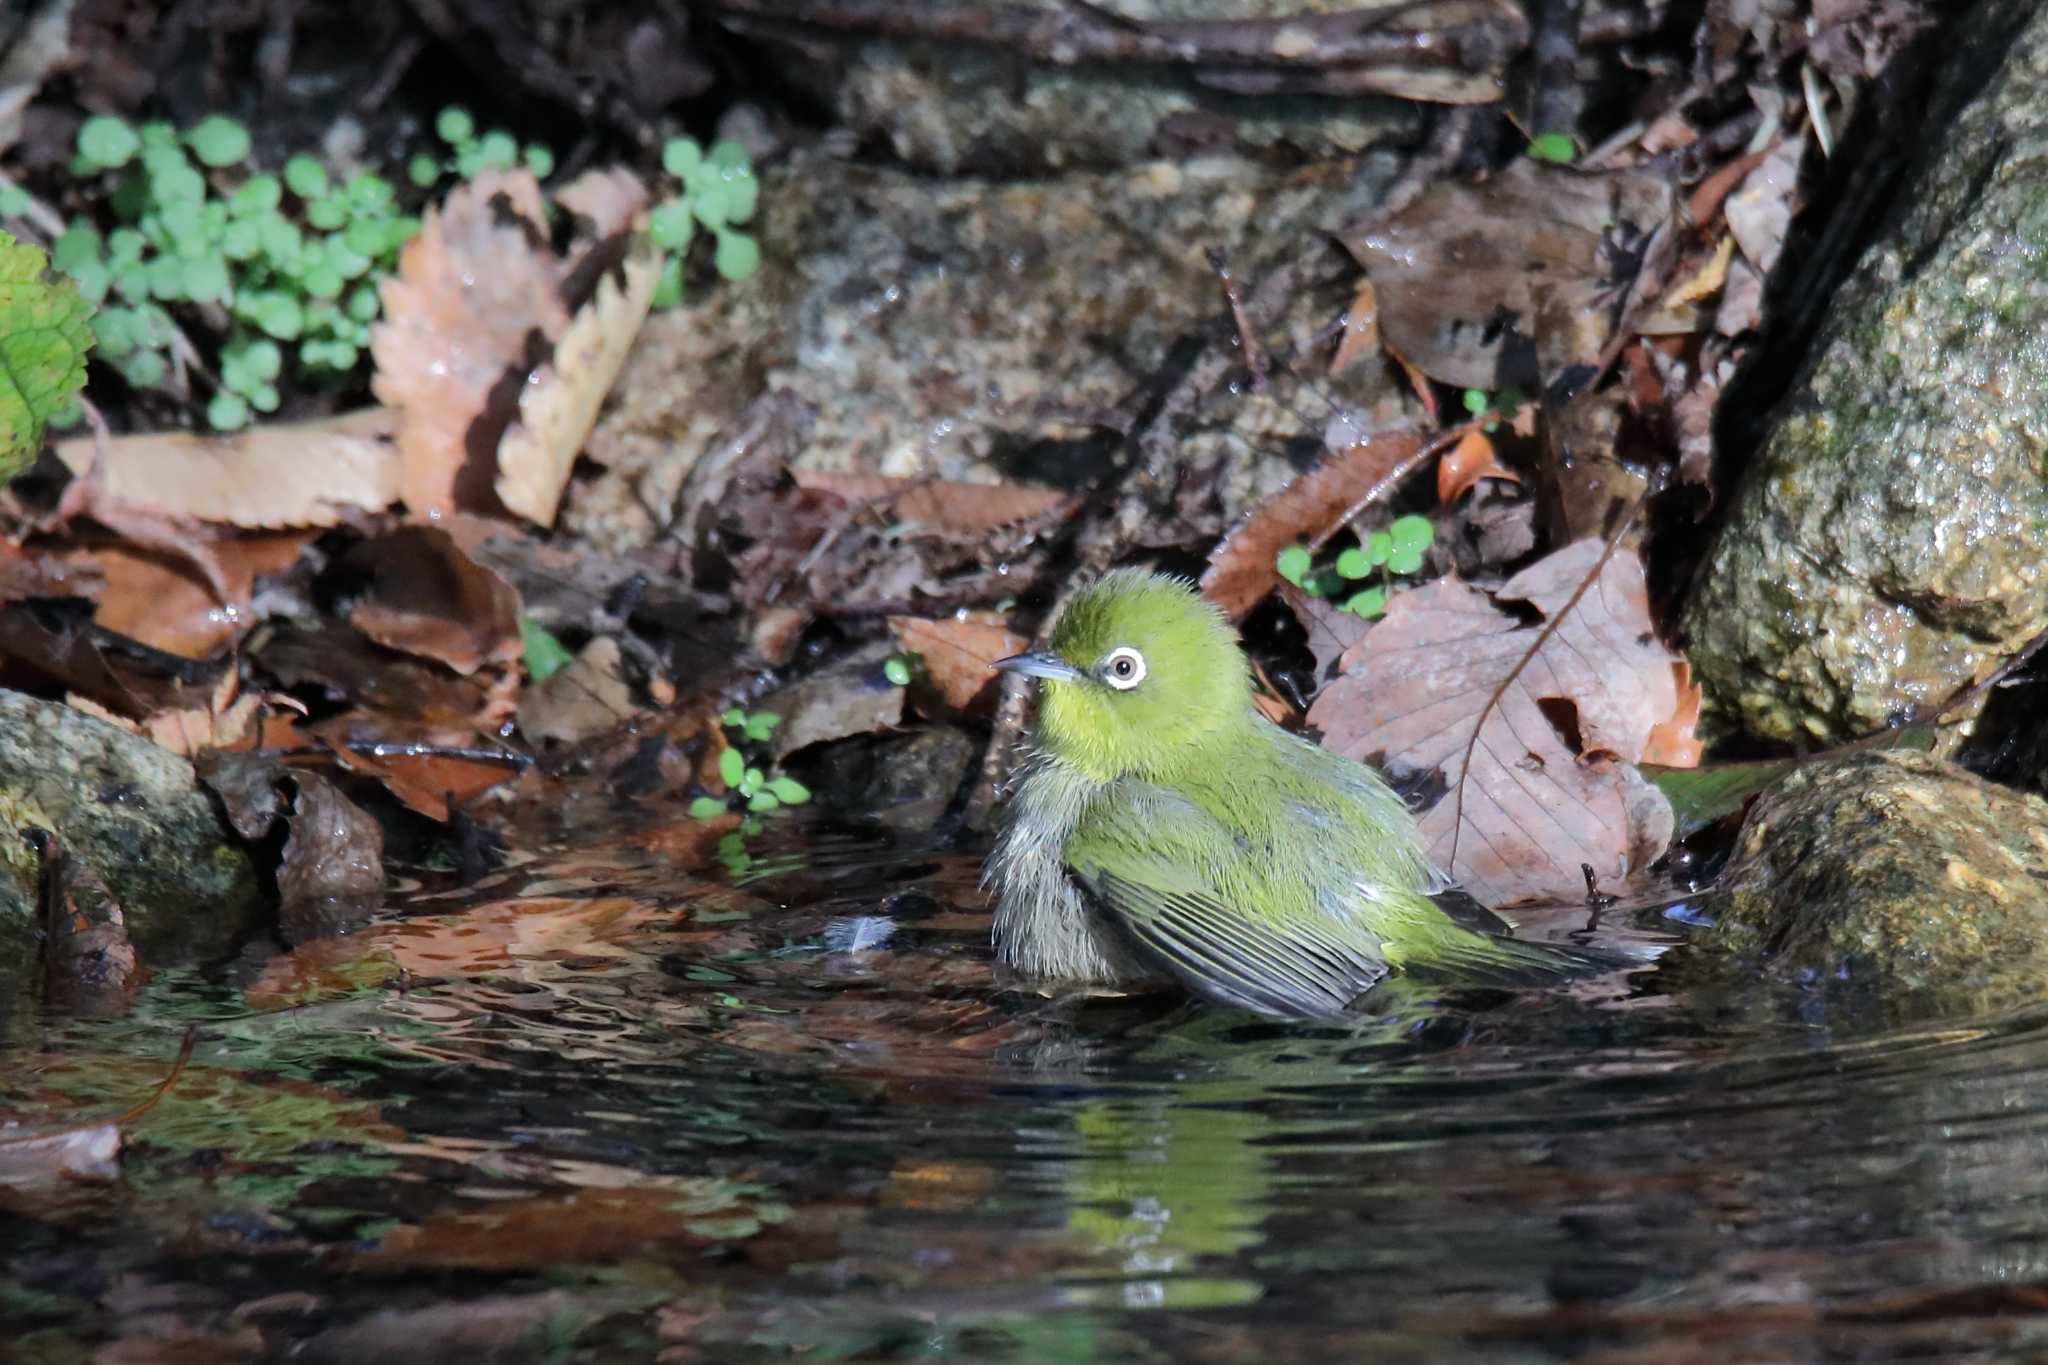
x,y
266,478
558,406
1534,807
1241,569
476,293
957,652
938,505
427,598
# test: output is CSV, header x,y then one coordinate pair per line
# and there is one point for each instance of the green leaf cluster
x,y
750,785
45,331
292,259
716,193
1398,550
471,150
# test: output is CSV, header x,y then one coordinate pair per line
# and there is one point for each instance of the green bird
x,y
1163,828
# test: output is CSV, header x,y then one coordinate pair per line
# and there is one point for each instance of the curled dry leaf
x,y
1241,570
558,406
476,293
427,598
269,477
957,652
1469,461
162,600
1552,782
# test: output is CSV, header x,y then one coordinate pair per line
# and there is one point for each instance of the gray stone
x,y
906,779
1893,879
1886,544
989,331
979,107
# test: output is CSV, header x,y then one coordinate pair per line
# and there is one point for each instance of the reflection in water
x,y
601,1109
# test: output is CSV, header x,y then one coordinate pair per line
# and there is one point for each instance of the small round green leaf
x,y
327,213
670,225
206,280
498,150
727,155
455,126
668,289
1411,533
1405,561
707,808
218,140
732,769
1292,564
1370,603
680,156
896,669
145,369
738,256
540,161
258,195
423,170
1554,147
227,412
789,791
305,176
762,802
1354,563
105,142
1378,546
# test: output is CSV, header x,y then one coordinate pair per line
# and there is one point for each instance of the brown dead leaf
x,y
1760,212
1469,461
1241,568
939,505
427,598
558,405
1552,783
1460,271
164,602
587,698
476,294
330,876
957,651
1361,328
268,477
28,576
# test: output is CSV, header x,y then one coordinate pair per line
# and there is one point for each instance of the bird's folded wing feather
x,y
1154,863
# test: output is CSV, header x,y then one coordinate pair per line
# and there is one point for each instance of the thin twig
x,y
164,1086
1247,335
1389,481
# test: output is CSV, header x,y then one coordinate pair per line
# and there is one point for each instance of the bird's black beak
x,y
1039,665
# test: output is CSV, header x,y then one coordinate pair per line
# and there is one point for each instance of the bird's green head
x,y
1141,673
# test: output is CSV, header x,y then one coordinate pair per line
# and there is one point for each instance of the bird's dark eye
x,y
1124,668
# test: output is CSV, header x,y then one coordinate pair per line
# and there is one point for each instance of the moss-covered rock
x,y
1892,878
133,811
1885,544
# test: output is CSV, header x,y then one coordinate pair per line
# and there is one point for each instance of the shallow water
x,y
600,1109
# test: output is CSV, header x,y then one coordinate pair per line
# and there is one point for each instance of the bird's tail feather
x,y
1500,961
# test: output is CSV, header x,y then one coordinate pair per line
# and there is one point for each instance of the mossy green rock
x,y
135,812
1885,545
1895,876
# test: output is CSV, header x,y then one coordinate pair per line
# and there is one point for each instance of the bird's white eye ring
x,y
1123,668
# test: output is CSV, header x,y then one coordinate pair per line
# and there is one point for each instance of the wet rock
x,y
990,331
979,106
1885,545
135,814
1893,879
906,780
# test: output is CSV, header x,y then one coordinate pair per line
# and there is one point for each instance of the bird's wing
x,y
1156,868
